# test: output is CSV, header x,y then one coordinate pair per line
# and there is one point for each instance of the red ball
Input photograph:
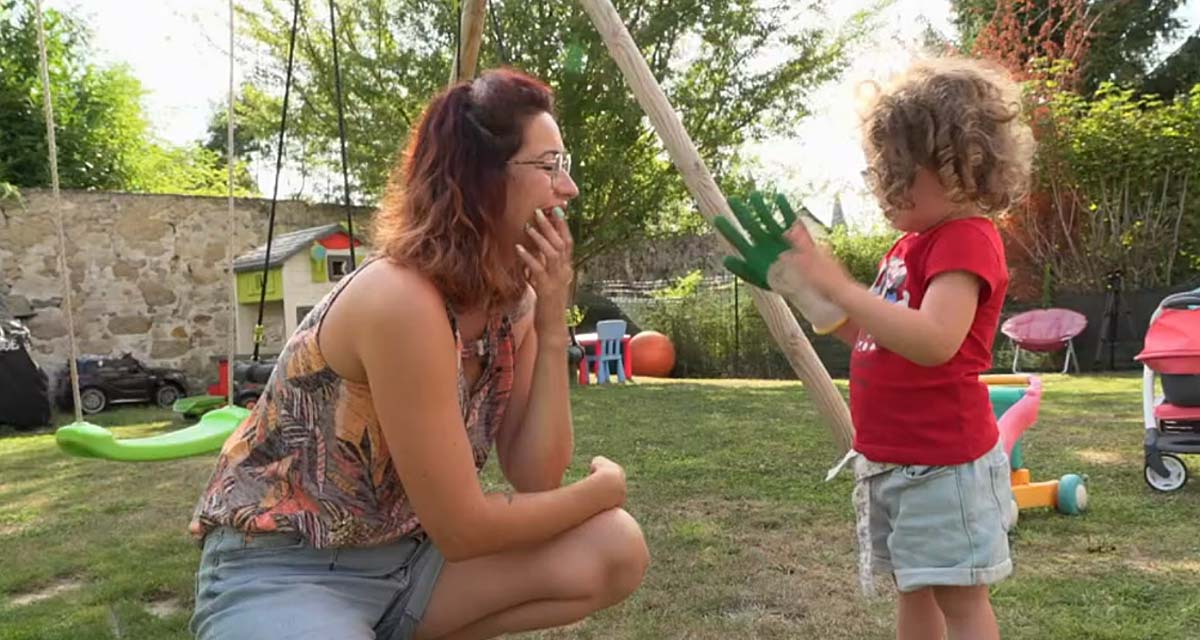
x,y
653,354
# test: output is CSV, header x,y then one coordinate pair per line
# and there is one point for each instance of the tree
x,y
187,170
256,124
102,136
395,55
1122,34
1177,73
1113,169
99,124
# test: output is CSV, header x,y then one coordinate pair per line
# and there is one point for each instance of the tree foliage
x,y
102,136
1122,36
706,53
1118,178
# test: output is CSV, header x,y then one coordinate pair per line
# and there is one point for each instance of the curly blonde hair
x,y
958,118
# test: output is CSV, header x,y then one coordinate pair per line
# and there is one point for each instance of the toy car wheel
x,y
1014,514
166,395
1072,495
1177,474
92,400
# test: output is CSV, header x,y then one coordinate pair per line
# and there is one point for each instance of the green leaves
x,y
103,138
1118,173
395,54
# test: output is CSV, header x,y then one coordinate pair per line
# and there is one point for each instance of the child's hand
x,y
764,266
766,238
814,263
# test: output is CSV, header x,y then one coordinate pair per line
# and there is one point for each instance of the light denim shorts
x,y
943,525
277,586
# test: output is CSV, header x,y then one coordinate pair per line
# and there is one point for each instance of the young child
x,y
946,149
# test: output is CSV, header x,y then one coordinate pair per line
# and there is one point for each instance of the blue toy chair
x,y
608,350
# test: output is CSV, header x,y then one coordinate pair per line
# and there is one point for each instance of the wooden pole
x,y
473,12
780,321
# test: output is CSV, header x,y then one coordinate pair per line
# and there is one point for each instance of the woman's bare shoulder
x,y
386,308
393,291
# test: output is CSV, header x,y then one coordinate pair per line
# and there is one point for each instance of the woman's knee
x,y
623,556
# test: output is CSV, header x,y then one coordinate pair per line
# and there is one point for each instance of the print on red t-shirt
x,y
907,413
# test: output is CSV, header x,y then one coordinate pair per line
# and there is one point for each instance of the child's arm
x,y
928,336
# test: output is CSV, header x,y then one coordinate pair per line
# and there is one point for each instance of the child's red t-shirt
x,y
906,413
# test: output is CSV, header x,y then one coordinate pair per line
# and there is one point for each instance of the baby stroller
x,y
1172,352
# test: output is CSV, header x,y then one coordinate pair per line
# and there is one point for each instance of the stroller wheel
x,y
1177,475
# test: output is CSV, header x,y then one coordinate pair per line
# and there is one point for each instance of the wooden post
x,y
473,12
780,321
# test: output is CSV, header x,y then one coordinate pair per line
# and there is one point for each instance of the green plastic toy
x,y
207,436
193,406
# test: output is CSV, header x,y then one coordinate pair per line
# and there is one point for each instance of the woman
x,y
348,505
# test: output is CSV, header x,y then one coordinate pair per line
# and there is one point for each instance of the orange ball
x,y
653,354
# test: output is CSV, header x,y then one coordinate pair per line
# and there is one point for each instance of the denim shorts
x,y
942,525
275,585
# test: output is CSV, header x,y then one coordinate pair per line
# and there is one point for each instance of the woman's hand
x,y
549,269
612,479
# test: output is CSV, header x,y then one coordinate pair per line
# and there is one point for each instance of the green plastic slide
x,y
193,406
87,440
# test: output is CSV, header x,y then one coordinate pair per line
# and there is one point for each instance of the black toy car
x,y
107,380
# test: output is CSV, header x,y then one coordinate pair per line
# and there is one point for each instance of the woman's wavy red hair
x,y
444,204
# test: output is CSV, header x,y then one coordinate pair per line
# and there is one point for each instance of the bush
x,y
1117,174
861,252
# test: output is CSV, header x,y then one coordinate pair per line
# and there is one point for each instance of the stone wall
x,y
147,271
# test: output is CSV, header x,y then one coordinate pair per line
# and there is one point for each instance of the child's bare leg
x,y
968,612
918,617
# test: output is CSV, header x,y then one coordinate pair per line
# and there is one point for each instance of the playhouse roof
x,y
285,246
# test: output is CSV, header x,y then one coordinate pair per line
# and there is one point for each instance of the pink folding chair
x,y
1045,331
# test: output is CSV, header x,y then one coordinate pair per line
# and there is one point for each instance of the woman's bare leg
x,y
589,568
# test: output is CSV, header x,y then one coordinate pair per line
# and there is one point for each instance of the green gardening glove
x,y
766,240
760,266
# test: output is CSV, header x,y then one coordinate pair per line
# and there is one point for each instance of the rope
x,y
458,44
48,110
501,51
337,81
287,88
229,247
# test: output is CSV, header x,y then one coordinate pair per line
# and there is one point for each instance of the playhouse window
x,y
339,267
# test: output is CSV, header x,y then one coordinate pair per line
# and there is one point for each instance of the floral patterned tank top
x,y
311,458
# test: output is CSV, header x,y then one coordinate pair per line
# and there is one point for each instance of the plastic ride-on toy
x,y
1016,400
248,381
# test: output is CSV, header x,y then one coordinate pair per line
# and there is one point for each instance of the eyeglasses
x,y
559,165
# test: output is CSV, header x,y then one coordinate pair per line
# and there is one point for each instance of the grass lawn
x,y
726,477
